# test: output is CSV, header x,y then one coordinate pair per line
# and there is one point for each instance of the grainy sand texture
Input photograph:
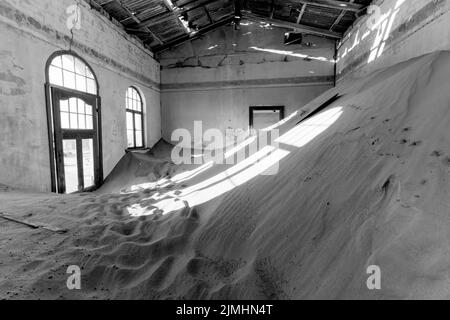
x,y
365,181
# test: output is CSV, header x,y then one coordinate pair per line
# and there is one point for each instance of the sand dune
x,y
363,182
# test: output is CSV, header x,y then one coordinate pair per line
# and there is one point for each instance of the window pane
x,y
91,86
64,105
81,121
80,67
131,104
73,105
81,108
81,83
57,62
89,122
130,121
69,79
68,62
88,109
70,165
73,121
130,137
135,103
77,114
89,73
88,163
65,120
139,142
71,72
55,75
138,121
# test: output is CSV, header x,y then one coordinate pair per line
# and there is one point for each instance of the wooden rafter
x,y
331,4
172,15
295,26
301,13
176,10
340,17
179,40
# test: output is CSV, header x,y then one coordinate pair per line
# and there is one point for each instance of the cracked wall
x,y
30,32
217,78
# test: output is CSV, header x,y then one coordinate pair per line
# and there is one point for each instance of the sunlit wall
x,y
392,32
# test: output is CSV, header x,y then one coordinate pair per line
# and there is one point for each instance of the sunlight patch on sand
x,y
263,162
306,131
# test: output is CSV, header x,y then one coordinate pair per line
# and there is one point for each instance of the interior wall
x,y
31,31
215,79
400,31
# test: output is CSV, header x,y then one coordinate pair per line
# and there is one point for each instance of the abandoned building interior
x,y
225,149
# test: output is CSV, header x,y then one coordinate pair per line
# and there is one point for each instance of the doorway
x,y
264,117
76,140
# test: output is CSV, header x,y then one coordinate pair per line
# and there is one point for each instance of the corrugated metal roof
x,y
159,23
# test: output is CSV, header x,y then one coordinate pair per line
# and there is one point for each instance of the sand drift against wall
x,y
364,182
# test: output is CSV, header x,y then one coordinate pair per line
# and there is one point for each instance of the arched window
x,y
73,111
70,72
135,119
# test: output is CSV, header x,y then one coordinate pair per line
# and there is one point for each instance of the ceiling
x,y
162,24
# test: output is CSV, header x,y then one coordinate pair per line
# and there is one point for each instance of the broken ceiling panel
x,y
158,23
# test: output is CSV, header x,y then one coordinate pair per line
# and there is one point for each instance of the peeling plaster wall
x,y
30,31
217,78
405,29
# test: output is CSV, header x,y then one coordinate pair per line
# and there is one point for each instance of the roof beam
x,y
179,40
132,16
171,15
272,8
339,18
157,20
301,13
208,15
169,5
332,4
295,26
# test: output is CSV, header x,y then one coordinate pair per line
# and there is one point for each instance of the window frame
x,y
252,109
74,72
134,113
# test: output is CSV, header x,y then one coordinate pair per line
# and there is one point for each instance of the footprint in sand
x,y
416,143
446,161
437,154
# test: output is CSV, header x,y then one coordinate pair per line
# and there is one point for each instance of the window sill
x,y
138,150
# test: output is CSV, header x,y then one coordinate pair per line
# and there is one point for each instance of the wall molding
x,y
251,83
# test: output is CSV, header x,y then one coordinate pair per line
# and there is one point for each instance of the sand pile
x,y
363,182
140,167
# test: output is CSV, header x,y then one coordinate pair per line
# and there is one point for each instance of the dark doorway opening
x,y
266,116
